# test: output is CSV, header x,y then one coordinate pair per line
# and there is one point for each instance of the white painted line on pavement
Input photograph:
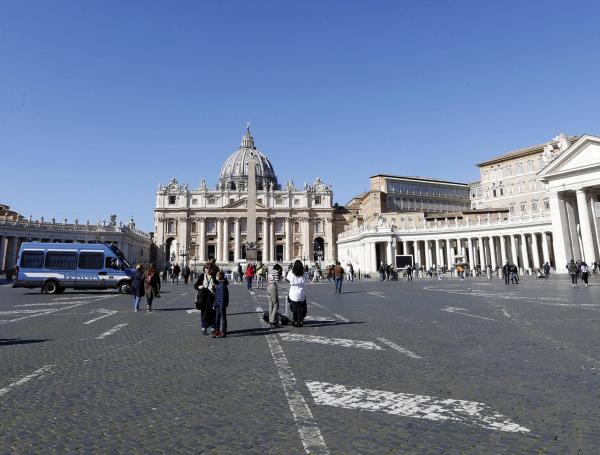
x,y
393,345
505,313
36,374
464,312
75,298
309,431
409,405
341,318
377,294
330,341
111,331
319,319
54,310
41,310
318,305
193,310
47,304
101,310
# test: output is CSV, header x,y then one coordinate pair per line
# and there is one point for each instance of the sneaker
x,y
204,332
149,310
215,334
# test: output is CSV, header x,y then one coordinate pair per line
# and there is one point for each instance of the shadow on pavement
x,y
251,332
11,341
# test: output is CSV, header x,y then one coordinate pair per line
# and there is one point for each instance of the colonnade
x,y
9,249
530,250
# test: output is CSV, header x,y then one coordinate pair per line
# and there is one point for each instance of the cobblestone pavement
x,y
427,367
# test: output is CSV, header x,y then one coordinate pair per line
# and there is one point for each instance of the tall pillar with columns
x,y
237,239
535,252
585,223
526,265
560,232
225,239
202,235
265,239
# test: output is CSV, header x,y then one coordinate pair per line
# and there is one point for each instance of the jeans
x,y
136,302
273,303
249,282
221,319
574,278
506,278
338,285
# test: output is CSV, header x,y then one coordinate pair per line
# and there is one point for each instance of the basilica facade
x,y
194,225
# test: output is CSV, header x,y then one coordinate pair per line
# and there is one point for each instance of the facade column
x,y
416,253
526,265
472,252
3,245
428,257
288,240
306,243
448,254
545,249
238,241
11,252
405,247
535,251
593,198
202,252
503,250
437,252
560,233
265,239
331,247
492,253
219,245
585,223
272,240
225,239
571,208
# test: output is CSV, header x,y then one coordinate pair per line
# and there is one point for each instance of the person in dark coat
x,y
151,285
205,285
175,275
137,286
221,303
506,272
186,273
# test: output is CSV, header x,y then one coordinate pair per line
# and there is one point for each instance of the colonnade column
x,y
448,253
513,250
535,251
493,253
526,265
202,252
503,249
428,258
306,243
238,241
225,239
390,254
481,253
437,244
417,252
265,239
545,250
219,245
559,230
373,257
3,246
272,251
586,226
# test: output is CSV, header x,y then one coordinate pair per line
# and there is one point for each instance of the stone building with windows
x,y
15,229
194,225
535,205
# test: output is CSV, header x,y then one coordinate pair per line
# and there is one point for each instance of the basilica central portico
x,y
194,225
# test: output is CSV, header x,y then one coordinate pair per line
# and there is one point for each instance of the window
x,y
523,207
171,226
317,200
91,260
61,260
32,260
511,209
211,226
172,200
534,206
211,200
113,263
296,202
193,227
279,227
259,200
231,200
194,201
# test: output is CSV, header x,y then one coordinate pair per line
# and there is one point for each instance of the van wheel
x,y
51,287
124,288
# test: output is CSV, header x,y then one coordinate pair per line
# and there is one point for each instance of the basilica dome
x,y
234,173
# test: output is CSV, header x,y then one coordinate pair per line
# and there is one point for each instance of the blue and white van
x,y
55,267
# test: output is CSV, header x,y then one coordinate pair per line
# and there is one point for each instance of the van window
x,y
91,260
61,260
113,263
32,260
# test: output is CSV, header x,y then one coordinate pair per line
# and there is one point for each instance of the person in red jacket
x,y
249,276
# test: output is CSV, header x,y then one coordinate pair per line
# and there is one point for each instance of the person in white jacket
x,y
296,297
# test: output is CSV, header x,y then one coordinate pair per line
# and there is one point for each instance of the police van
x,y
55,267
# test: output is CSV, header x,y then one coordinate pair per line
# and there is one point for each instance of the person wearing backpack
x,y
151,284
573,271
296,297
137,286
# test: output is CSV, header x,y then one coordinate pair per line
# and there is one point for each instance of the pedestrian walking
x,y
220,306
137,286
205,287
351,273
249,276
585,273
273,294
186,273
261,273
165,272
409,273
573,271
296,297
514,274
240,273
506,270
175,274
151,286
338,276
547,270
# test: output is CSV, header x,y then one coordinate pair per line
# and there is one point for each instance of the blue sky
x,y
101,100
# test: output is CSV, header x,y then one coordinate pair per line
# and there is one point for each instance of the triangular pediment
x,y
583,155
241,204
